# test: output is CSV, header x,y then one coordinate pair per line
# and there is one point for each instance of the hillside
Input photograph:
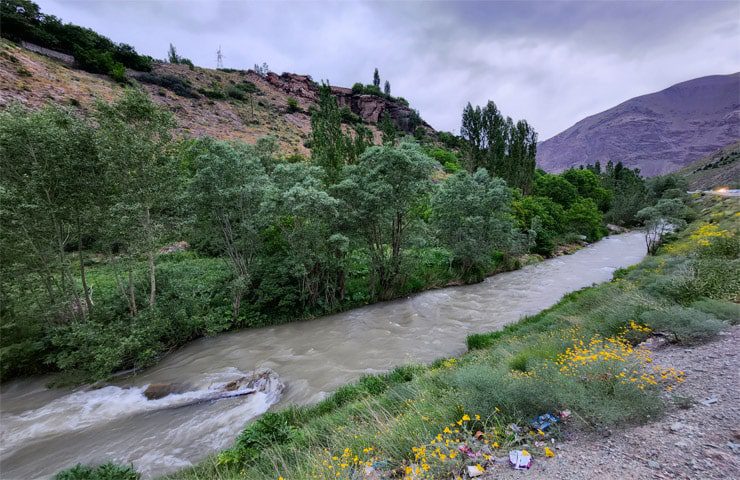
x,y
658,133
722,168
225,104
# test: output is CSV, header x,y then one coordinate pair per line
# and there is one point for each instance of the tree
x,y
379,196
495,143
134,140
543,218
376,79
387,88
331,147
228,195
172,56
583,217
556,188
306,246
589,185
627,191
471,216
517,168
388,129
664,217
53,194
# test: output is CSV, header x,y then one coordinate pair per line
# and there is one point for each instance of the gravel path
x,y
700,442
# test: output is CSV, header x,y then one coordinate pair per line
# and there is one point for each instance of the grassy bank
x,y
579,355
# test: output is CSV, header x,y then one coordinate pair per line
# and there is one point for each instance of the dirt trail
x,y
700,442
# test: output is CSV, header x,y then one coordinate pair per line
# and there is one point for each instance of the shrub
x,y
685,325
235,92
348,116
118,73
173,83
214,93
293,105
107,471
727,311
269,430
23,71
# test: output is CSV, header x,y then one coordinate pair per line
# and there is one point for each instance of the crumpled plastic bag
x,y
520,459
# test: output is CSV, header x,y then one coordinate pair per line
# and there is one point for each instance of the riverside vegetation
x,y
584,354
87,204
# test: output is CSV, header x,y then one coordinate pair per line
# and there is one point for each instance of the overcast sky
x,y
552,63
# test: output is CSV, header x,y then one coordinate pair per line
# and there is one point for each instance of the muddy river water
x,y
43,431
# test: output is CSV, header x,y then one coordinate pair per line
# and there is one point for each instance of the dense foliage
x,y
23,20
87,204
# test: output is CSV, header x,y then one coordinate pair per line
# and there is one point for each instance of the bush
x,y
293,105
269,430
686,325
173,83
595,390
348,116
214,93
727,311
118,73
107,471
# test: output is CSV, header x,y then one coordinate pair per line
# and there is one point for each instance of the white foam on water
x,y
83,409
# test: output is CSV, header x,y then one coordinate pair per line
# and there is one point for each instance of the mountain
x,y
720,169
226,104
659,132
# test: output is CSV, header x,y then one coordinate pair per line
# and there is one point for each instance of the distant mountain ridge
x,y
659,132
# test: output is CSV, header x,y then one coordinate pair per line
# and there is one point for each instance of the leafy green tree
x,y
589,185
228,195
376,79
380,195
505,149
52,184
387,88
471,216
543,218
306,243
446,158
518,166
331,147
583,217
134,139
556,188
388,129
627,191
667,215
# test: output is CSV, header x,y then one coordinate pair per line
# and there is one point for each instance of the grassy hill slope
x,y
225,104
720,169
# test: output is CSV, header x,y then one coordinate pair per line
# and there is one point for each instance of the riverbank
x,y
312,358
577,358
698,437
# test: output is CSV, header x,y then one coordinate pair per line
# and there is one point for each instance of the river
x,y
43,431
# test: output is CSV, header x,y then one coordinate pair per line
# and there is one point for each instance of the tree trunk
x,y
132,293
150,260
152,279
83,274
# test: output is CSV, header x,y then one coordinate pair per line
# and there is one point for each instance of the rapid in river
x,y
43,430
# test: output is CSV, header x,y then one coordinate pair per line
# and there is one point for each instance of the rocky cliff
x,y
658,133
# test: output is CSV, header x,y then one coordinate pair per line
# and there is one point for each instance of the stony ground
x,y
700,441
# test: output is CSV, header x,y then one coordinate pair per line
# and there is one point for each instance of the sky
x,y
551,63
